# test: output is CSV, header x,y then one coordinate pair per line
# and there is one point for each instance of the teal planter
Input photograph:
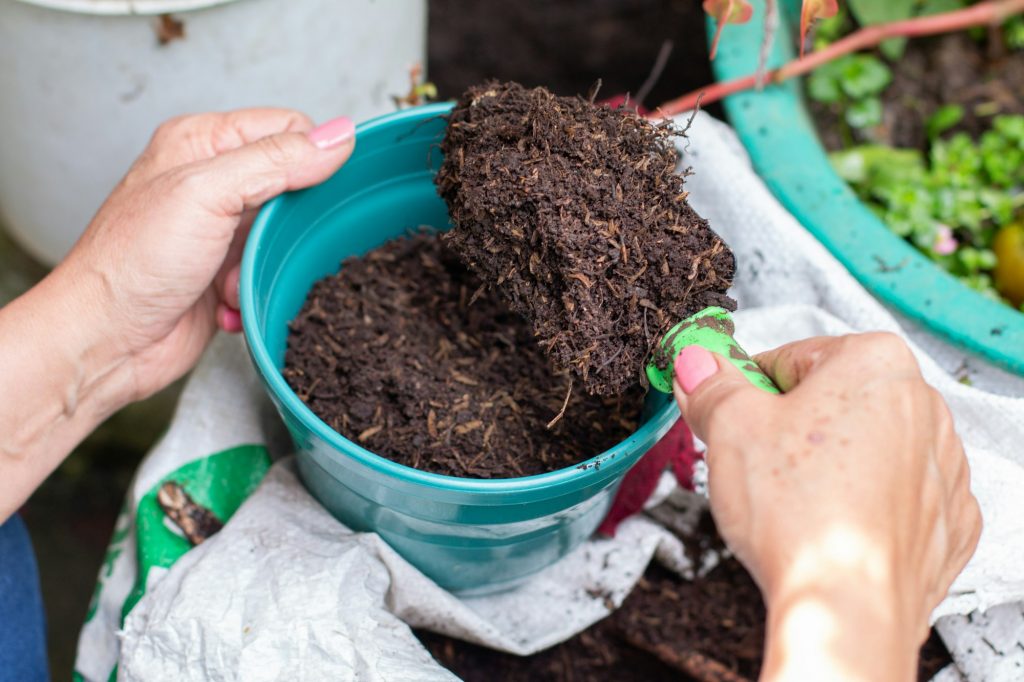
x,y
468,535
780,136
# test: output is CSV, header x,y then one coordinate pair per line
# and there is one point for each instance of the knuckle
x,y
226,132
810,358
885,342
185,183
171,129
892,347
278,150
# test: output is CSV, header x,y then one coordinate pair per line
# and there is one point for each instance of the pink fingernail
x,y
334,133
230,319
693,365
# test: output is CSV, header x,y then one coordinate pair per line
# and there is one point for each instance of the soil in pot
x,y
575,213
406,353
710,629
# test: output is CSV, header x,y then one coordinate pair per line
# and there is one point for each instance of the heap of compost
x,y
395,353
711,629
576,214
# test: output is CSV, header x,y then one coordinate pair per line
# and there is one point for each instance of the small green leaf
x,y
1013,33
865,113
893,48
1010,127
944,118
822,86
829,30
939,6
879,165
864,75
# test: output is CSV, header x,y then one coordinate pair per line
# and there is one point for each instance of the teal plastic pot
x,y
468,535
782,140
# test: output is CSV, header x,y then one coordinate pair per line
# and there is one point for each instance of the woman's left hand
x,y
142,292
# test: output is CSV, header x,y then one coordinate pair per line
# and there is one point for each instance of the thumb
x,y
244,178
712,393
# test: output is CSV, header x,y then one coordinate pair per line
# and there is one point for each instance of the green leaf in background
x,y
939,6
864,113
1013,32
878,165
831,29
953,202
944,118
869,12
823,86
863,75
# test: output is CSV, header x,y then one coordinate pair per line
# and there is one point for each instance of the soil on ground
x,y
567,45
982,76
576,215
406,353
710,629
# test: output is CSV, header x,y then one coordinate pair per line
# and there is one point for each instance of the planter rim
x,y
125,7
782,140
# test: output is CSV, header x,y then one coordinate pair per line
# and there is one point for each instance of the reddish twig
x,y
987,13
691,663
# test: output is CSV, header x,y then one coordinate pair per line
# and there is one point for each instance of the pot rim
x,y
125,7
604,465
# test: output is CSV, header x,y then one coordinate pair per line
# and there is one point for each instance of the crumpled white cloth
x,y
284,592
287,592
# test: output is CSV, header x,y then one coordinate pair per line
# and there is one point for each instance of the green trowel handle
x,y
711,328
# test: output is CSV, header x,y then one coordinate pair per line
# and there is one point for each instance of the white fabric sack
x,y
285,592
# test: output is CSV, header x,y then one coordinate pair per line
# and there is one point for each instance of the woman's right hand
x,y
847,498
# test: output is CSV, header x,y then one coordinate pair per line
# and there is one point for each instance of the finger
x,y
788,365
231,183
187,139
229,294
229,319
713,394
227,278
857,357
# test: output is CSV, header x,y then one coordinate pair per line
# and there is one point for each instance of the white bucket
x,y
83,83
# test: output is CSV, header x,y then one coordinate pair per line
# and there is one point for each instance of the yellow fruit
x,y
1009,274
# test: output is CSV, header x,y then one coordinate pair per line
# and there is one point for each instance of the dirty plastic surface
x,y
468,535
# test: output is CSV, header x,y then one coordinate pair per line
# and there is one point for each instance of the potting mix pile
x,y
576,214
406,353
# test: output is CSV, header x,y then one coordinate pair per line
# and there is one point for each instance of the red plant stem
x,y
990,12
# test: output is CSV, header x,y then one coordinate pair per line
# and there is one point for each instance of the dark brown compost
x,y
392,353
577,215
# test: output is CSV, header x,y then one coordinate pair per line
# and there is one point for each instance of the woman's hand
x,y
847,498
136,301
162,253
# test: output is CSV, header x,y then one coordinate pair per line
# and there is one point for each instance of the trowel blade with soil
x,y
711,328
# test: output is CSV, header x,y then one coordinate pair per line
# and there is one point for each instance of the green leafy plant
x,y
952,202
853,83
934,17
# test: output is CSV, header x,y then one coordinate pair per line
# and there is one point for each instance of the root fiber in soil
x,y
396,353
575,214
